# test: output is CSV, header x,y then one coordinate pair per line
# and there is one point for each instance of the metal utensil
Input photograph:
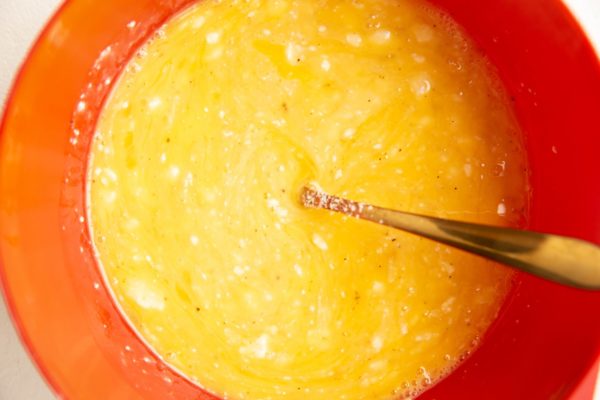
x,y
565,260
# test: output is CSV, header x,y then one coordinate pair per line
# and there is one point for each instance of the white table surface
x,y
20,22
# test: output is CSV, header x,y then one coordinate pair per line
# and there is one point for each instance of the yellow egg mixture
x,y
194,182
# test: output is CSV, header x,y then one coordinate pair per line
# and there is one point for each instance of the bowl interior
x,y
540,347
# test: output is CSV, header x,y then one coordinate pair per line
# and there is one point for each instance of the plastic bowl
x,y
541,346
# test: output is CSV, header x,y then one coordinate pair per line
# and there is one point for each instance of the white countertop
x,y
20,21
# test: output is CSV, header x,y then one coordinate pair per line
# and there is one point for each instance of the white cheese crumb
x,y
348,133
354,39
154,103
420,86
377,343
319,242
213,37
145,296
298,270
377,286
111,174
238,270
403,329
280,211
447,305
381,36
294,53
174,171
259,348
198,22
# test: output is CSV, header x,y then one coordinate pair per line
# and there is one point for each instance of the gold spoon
x,y
565,260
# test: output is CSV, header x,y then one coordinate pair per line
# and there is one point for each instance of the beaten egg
x,y
196,167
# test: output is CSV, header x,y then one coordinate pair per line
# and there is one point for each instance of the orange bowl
x,y
544,341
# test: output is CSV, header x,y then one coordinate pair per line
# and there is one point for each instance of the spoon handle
x,y
561,259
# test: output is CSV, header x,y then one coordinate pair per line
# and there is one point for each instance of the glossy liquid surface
x,y
193,195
